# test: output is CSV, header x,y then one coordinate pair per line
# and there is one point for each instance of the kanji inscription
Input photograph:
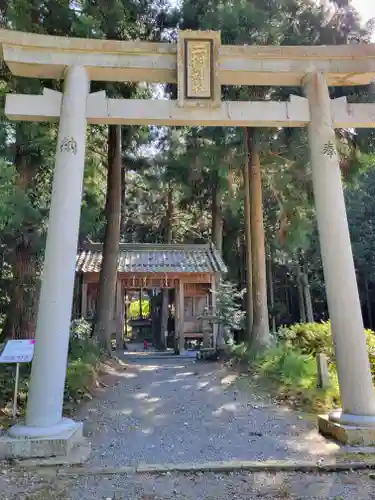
x,y
329,149
198,69
68,145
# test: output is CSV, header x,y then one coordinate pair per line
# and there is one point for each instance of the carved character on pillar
x,y
69,145
329,149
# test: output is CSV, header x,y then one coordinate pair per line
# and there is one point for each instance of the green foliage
x,y
80,331
229,305
80,376
370,343
7,377
291,363
313,338
360,203
83,361
135,309
308,338
289,374
289,366
84,357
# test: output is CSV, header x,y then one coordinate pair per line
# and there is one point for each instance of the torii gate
x,y
199,64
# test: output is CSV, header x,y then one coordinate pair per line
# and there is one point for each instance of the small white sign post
x,y
17,351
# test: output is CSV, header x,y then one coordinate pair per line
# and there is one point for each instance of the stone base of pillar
x,y
342,418
353,435
24,442
30,431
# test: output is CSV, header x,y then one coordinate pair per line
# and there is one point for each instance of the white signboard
x,y
18,351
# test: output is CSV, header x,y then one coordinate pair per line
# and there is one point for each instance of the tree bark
x,y
260,337
249,262
368,304
104,313
22,311
307,295
272,293
217,215
123,199
161,345
241,256
301,297
287,301
21,317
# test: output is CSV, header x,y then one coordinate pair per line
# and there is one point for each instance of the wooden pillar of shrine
x,y
180,313
119,316
215,325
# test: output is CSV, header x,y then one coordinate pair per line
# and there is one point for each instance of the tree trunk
x,y
22,311
161,345
260,337
241,264
249,262
108,274
301,298
272,293
287,302
368,304
307,295
21,317
123,199
217,215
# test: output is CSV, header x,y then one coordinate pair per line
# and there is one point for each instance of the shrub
x,y
292,374
288,366
370,342
81,343
229,308
312,338
80,329
80,377
291,363
309,338
83,361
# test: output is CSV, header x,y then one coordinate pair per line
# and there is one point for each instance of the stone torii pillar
x,y
46,392
356,388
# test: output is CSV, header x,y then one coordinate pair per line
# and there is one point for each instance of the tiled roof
x,y
155,258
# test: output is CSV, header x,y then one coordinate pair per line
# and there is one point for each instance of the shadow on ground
x,y
178,410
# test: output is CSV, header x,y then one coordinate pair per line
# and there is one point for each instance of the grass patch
x,y
290,375
82,371
289,365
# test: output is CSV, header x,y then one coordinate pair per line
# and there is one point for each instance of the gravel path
x,y
223,487
208,486
170,410
177,410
